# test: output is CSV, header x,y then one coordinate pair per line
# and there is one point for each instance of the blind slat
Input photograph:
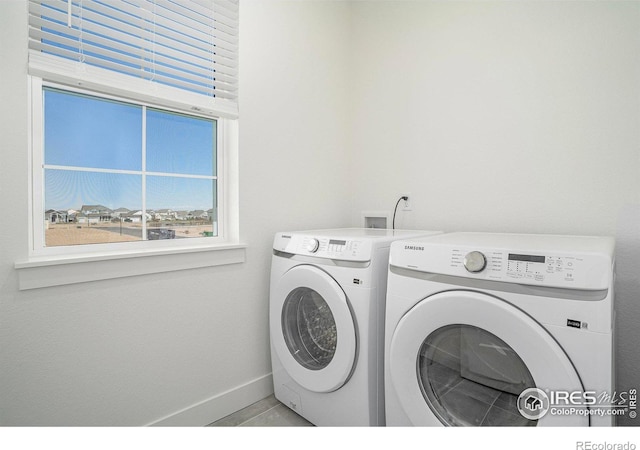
x,y
166,55
191,44
130,64
110,37
189,32
200,20
223,91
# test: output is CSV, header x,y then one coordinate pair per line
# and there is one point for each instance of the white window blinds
x,y
190,45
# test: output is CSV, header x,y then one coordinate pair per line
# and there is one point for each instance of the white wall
x,y
177,346
510,116
518,116
498,116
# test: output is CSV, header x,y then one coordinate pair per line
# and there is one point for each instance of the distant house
x,y
164,214
116,213
198,214
182,215
139,214
135,217
56,216
94,214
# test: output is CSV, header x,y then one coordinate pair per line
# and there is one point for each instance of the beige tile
x,y
268,412
278,416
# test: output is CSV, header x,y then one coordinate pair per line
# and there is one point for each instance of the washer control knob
x,y
313,245
475,262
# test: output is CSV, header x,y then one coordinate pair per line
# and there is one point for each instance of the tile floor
x,y
268,412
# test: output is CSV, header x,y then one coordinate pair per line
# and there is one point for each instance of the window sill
x,y
58,271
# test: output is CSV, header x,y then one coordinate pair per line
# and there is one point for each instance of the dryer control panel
x,y
324,247
560,268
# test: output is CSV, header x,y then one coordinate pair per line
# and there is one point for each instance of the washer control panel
x,y
324,247
563,269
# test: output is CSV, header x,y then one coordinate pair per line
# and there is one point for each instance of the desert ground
x,y
78,234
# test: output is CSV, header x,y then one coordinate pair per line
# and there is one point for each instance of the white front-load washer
x,y
326,318
500,330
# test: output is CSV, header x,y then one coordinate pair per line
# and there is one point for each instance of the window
x,y
121,172
134,139
134,125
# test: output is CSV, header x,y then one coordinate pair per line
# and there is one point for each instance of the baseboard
x,y
219,406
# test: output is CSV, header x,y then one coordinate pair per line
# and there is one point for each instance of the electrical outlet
x,y
406,204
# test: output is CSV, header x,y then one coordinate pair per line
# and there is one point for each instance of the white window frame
x,y
226,248
38,166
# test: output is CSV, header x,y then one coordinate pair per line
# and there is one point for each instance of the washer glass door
x,y
471,377
312,329
309,328
470,358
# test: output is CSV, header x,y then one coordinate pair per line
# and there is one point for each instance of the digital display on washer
x,y
335,242
527,258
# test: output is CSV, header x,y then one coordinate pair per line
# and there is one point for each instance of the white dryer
x,y
326,319
500,330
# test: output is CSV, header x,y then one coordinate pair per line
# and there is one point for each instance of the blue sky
x,y
80,131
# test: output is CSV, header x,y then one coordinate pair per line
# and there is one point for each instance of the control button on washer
x,y
313,245
475,262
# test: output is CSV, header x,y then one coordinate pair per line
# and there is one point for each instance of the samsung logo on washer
x,y
414,247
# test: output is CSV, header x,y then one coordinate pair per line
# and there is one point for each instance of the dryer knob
x,y
313,245
475,262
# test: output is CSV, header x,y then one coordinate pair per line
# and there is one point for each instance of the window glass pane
x,y
470,377
91,208
85,131
180,144
105,203
184,205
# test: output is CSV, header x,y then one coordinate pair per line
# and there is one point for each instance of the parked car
x,y
160,233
